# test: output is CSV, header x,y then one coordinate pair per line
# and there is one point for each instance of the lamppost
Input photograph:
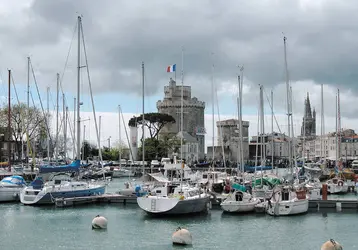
x,y
109,143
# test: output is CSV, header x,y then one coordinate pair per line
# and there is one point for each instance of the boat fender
x,y
340,183
15,195
182,237
331,245
99,222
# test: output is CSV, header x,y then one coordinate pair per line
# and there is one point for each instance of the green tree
x,y
153,121
24,120
156,149
89,150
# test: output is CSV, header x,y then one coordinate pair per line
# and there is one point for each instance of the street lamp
x,y
109,143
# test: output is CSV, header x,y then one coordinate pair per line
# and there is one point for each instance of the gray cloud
x,y
120,34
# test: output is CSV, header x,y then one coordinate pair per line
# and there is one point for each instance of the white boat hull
x,y
290,207
156,205
239,206
10,194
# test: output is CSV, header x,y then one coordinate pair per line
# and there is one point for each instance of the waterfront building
x,y
193,114
279,148
349,146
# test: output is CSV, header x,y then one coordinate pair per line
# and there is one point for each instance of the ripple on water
x,y
25,227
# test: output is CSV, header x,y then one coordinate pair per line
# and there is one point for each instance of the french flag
x,y
171,68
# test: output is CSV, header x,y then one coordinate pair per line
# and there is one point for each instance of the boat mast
x,y
322,123
28,110
83,143
262,122
119,136
182,118
74,128
47,118
143,138
9,120
339,125
57,106
337,150
65,135
238,125
213,112
220,129
99,132
64,124
272,143
288,107
78,90
240,121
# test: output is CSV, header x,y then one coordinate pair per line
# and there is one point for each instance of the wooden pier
x,y
105,198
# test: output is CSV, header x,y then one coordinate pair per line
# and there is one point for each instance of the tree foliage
x,y
153,121
156,149
108,154
24,120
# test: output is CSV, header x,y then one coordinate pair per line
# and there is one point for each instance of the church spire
x,y
308,111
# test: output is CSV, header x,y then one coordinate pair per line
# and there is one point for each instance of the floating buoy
x,y
331,245
182,237
99,222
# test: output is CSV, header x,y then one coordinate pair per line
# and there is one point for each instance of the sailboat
x,y
62,185
182,199
288,199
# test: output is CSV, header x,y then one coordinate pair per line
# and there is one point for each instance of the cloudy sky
x,y
322,45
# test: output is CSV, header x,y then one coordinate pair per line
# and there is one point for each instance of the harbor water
x,y
27,227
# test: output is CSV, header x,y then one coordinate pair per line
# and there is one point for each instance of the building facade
x,y
193,114
228,131
326,146
275,145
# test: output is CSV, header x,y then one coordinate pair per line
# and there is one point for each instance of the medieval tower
x,y
193,113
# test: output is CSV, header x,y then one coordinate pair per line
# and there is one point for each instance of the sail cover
x,y
73,167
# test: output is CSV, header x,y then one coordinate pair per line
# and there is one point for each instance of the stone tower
x,y
193,113
309,120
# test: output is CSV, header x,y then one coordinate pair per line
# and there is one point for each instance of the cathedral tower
x,y
308,128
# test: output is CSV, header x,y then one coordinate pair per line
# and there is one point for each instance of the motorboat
x,y
336,186
287,200
239,202
10,188
182,199
60,185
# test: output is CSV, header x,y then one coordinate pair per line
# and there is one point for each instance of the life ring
x,y
340,183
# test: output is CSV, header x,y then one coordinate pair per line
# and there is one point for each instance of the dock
x,y
337,204
105,198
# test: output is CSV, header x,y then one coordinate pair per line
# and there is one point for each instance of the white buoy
x,y
331,245
182,237
99,222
